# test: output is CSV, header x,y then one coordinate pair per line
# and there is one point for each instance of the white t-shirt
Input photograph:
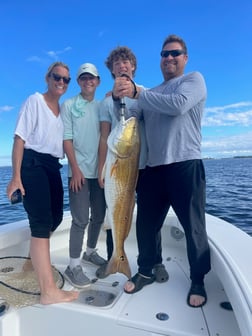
x,y
41,130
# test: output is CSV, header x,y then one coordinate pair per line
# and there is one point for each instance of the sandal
x,y
197,290
160,273
139,282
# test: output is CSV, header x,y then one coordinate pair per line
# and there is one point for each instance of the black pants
x,y
43,200
180,185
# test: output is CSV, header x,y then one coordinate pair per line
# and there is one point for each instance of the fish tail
x,y
123,267
119,264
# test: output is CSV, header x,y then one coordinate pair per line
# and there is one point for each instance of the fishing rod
x,y
122,108
122,100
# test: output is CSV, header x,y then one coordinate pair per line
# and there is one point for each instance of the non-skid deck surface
x,y
160,307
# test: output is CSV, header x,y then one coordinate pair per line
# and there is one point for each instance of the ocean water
x,y
229,192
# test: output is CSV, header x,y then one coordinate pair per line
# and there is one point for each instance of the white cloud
x,y
51,54
34,59
6,108
5,161
236,145
55,54
101,33
239,114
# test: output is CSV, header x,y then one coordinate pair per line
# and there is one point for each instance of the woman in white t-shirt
x,y
38,145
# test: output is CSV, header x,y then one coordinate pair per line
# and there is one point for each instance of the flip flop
x,y
197,290
161,275
139,282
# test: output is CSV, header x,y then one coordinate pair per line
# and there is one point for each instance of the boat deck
x,y
158,309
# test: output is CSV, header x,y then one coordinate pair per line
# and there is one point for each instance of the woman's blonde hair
x,y
53,65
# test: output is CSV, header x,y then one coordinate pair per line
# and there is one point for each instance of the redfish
x,y
120,175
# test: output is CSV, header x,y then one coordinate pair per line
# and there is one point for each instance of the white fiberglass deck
x,y
158,309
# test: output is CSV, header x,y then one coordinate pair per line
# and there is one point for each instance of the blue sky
x,y
218,35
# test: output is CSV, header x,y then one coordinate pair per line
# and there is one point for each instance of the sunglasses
x,y
57,78
173,53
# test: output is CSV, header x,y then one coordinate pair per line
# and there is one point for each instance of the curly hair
x,y
124,53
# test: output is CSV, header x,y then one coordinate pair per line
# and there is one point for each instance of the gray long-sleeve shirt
x,y
172,113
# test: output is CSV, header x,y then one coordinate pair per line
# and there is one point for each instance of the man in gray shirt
x,y
175,174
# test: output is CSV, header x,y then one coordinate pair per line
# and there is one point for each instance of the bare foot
x,y
137,282
197,300
58,296
197,296
28,265
129,286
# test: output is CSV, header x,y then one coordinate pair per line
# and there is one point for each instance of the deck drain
x,y
4,306
176,233
226,305
97,298
162,316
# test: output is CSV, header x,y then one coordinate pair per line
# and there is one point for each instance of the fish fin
x,y
120,265
113,168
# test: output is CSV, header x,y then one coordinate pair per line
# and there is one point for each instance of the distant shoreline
x,y
233,157
204,158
